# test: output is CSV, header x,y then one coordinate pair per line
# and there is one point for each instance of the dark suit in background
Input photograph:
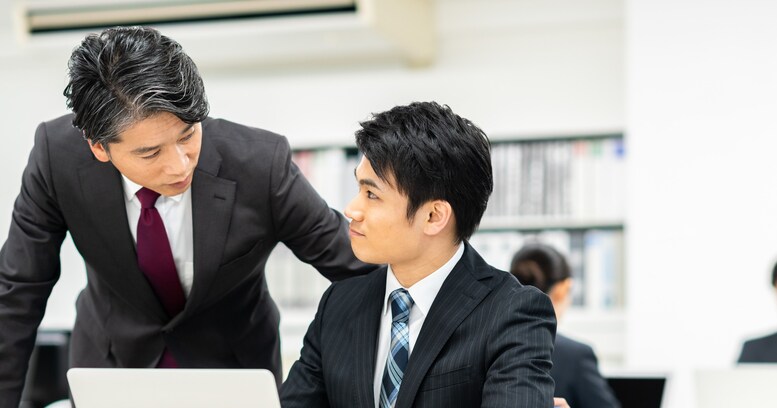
x,y
760,350
246,197
577,376
486,342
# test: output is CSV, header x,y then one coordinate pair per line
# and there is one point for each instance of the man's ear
x,y
99,151
438,216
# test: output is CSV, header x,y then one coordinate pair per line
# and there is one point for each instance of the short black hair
x,y
774,275
432,154
540,265
127,74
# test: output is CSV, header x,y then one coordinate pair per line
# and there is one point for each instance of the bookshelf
x,y
567,192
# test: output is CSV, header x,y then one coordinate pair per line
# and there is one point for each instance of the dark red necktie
x,y
155,259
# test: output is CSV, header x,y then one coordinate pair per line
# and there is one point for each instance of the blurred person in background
x,y
575,367
763,349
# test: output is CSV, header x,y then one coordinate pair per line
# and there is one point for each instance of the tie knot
x,y
401,302
147,197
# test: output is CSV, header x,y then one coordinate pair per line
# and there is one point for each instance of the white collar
x,y
130,188
424,291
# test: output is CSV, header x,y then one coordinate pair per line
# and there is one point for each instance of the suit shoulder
x,y
519,302
508,282
770,339
761,343
248,151
62,124
504,282
356,282
61,136
225,131
59,145
506,288
565,345
354,289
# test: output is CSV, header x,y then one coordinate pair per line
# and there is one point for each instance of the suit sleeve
x,y
520,352
304,222
592,389
29,268
305,386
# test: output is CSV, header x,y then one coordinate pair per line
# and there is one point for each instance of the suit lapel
x,y
459,295
213,200
364,332
103,192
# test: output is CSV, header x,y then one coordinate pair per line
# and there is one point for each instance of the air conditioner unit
x,y
252,31
43,16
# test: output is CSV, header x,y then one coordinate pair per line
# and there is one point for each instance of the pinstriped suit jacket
x,y
487,342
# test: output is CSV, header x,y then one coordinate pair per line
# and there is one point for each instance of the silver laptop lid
x,y
172,388
745,385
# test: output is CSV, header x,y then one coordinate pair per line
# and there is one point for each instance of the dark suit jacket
x,y
246,197
761,350
487,341
577,376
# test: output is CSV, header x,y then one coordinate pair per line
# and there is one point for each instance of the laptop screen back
x,y
172,388
638,392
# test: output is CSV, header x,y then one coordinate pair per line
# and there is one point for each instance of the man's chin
x,y
366,256
170,191
174,189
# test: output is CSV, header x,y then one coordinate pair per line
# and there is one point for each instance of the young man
x,y
174,214
437,326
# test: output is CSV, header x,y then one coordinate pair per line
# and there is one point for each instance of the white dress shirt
x,y
176,213
423,294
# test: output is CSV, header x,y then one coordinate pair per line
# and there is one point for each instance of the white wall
x,y
513,67
702,223
533,77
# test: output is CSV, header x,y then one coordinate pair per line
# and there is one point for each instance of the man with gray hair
x,y
174,214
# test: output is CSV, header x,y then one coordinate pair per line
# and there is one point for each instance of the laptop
x,y
746,385
635,390
172,388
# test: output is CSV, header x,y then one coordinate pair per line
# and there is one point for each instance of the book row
x,y
570,179
595,257
540,180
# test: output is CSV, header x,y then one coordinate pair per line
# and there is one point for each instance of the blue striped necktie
x,y
401,302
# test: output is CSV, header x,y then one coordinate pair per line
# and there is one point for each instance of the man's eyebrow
x,y
145,149
366,182
148,149
369,182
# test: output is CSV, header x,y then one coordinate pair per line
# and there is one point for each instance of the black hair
x,y
774,275
432,154
127,74
540,265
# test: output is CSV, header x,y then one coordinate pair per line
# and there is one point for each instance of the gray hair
x,y
127,74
